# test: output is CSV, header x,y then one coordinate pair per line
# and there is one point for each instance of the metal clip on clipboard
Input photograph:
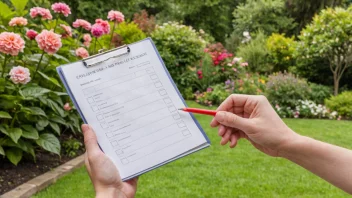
x,y
105,56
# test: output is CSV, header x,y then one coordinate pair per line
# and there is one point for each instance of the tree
x,y
269,16
329,36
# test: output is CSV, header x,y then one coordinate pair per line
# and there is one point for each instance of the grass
x,y
222,172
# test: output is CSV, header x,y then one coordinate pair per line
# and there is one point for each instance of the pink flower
x,y
20,75
49,41
18,21
67,107
44,13
245,64
67,29
11,43
81,52
116,16
97,30
31,34
82,23
87,39
61,8
104,24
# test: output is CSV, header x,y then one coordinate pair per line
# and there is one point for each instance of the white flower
x,y
246,34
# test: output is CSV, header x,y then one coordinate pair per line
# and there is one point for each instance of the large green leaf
x,y
43,122
2,152
4,114
58,119
61,58
56,127
34,111
5,10
29,132
56,108
51,79
33,92
14,155
27,147
49,142
19,4
15,134
3,129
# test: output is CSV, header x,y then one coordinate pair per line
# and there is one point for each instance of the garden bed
x,y
12,176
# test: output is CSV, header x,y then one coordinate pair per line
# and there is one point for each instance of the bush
x,y
256,54
269,16
320,93
213,96
145,22
251,84
125,33
341,103
286,89
281,50
180,46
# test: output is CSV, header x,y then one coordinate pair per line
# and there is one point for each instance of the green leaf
x,y
2,152
4,114
34,111
15,134
56,127
29,132
4,130
61,58
27,147
19,4
56,108
61,93
14,155
7,142
58,119
51,79
5,10
2,84
33,92
49,142
43,123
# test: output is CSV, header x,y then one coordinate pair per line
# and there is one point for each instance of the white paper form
x,y
132,103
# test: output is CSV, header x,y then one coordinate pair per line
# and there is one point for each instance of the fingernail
x,y
85,127
220,116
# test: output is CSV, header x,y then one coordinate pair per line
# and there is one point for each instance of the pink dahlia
x,y
20,75
31,34
38,11
82,23
67,107
18,21
87,39
97,30
81,52
104,24
49,41
61,8
116,16
11,43
67,29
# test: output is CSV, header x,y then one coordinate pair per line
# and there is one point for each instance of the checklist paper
x,y
132,104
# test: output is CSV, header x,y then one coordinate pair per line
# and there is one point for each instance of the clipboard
x,y
155,102
96,59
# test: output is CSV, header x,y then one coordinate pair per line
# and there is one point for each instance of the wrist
x,y
294,143
109,193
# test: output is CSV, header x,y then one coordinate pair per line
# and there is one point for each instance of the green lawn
x,y
222,172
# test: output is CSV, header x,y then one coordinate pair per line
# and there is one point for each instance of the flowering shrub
x,y
281,50
145,22
213,96
252,84
306,109
286,89
34,107
180,46
341,103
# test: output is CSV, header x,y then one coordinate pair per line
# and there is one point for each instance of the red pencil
x,y
199,111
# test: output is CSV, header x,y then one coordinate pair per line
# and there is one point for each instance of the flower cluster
x,y
306,109
40,12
